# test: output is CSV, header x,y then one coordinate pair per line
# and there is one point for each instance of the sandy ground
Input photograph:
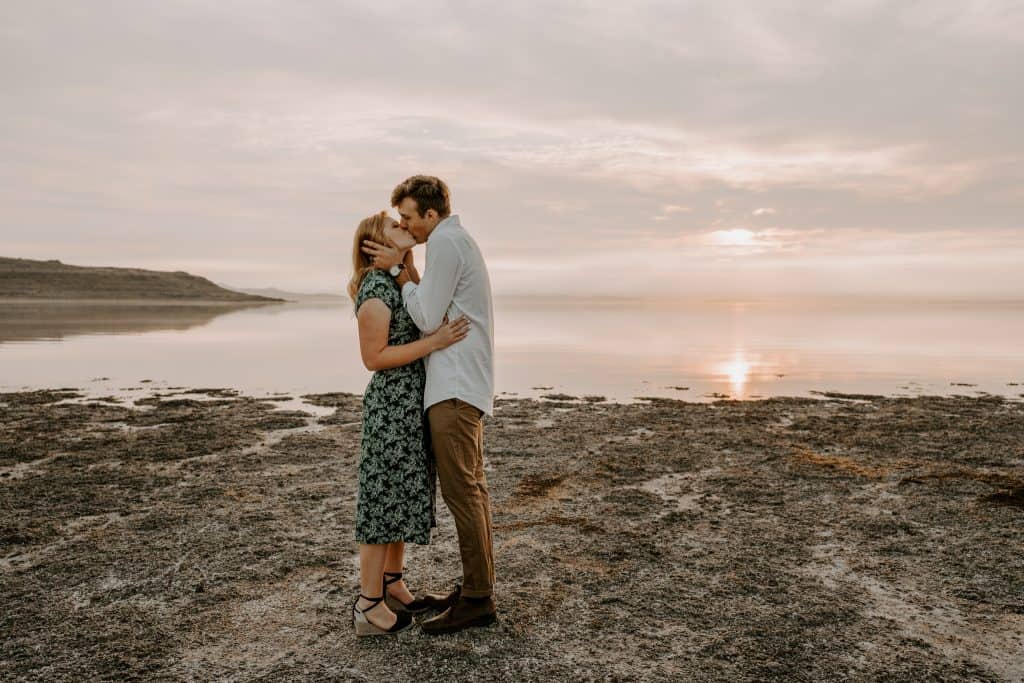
x,y
838,538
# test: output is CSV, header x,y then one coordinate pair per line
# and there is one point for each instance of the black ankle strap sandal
x,y
375,601
414,607
363,625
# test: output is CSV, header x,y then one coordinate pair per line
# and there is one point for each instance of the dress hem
x,y
394,540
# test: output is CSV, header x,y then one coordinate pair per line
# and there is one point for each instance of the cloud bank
x,y
696,148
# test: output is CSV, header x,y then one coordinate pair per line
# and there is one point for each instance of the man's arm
x,y
428,301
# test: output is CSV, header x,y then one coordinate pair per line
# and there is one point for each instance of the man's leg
x,y
482,482
456,433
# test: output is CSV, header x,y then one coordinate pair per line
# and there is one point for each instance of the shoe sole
x,y
367,630
486,620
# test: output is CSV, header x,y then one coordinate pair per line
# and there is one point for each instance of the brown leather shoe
x,y
462,615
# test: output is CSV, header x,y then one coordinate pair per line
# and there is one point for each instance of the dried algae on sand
x,y
787,539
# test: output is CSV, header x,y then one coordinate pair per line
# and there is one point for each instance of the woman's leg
x,y
393,562
371,583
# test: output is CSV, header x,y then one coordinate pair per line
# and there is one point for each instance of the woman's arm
x,y
374,321
410,267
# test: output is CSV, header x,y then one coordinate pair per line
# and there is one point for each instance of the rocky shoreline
x,y
52,281
205,535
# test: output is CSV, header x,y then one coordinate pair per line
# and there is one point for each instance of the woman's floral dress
x,y
396,471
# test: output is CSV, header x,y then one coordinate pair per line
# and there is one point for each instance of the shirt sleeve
x,y
428,301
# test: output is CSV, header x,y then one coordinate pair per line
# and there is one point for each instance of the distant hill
x,y
28,279
301,297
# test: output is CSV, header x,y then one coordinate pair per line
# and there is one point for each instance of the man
x,y
460,380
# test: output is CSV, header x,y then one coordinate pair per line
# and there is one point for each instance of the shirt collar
x,y
451,221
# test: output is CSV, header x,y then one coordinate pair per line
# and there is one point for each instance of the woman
x,y
396,480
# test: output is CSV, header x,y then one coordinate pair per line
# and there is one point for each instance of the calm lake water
x,y
621,350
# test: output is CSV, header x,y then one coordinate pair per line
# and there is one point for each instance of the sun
x,y
734,238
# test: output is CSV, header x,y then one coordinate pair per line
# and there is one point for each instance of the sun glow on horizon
x,y
738,237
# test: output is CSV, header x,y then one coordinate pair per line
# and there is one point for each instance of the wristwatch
x,y
396,270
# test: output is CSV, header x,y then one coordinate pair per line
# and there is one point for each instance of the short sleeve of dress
x,y
376,285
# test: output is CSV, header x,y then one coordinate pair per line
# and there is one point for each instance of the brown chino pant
x,y
457,435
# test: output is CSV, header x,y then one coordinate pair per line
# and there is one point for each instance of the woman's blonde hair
x,y
371,228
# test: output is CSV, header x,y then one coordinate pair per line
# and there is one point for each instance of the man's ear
x,y
431,214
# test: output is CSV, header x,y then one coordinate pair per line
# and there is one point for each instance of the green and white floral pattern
x,y
396,472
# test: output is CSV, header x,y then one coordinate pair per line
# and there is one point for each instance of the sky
x,y
668,149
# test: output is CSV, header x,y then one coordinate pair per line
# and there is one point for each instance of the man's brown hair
x,y
429,192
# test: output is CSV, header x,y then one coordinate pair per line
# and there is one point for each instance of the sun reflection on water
x,y
737,372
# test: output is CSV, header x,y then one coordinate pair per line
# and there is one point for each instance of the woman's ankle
x,y
400,591
380,616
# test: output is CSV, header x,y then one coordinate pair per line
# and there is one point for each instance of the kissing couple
x,y
429,341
